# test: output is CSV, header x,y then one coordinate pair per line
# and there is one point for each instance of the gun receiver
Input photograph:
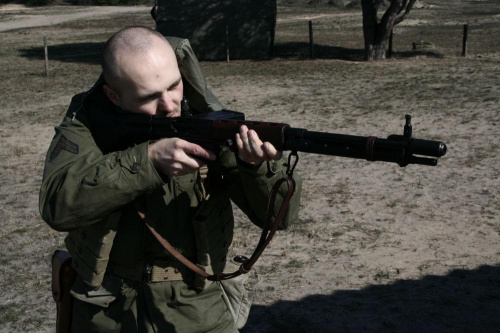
x,y
219,128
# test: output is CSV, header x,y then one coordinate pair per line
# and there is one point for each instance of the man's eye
x,y
174,86
147,98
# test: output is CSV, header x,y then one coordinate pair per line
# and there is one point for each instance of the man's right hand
x,y
177,157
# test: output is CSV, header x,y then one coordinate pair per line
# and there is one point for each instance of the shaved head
x,y
128,42
141,73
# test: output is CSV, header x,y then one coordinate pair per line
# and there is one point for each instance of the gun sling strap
x,y
267,234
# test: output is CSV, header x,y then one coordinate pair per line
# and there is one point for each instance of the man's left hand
x,y
252,150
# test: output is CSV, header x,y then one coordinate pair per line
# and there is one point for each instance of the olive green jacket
x,y
91,194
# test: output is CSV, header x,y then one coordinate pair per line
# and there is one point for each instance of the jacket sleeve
x,y
251,189
81,185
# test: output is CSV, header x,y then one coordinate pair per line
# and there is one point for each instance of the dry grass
x,y
376,247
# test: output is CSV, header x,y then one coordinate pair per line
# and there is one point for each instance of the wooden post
x,y
45,47
311,43
389,52
464,46
271,47
227,43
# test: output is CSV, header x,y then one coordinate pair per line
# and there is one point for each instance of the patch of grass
x,y
394,203
338,252
268,270
21,230
295,263
10,313
337,234
382,275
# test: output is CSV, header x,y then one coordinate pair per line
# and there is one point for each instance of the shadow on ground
x,y
302,51
462,301
90,52
77,52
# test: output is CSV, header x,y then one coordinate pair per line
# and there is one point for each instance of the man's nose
x,y
166,103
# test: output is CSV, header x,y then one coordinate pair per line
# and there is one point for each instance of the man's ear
x,y
112,95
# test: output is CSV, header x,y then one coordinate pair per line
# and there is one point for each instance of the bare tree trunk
x,y
375,52
376,33
369,27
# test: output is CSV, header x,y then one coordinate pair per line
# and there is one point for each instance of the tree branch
x,y
400,18
386,23
403,6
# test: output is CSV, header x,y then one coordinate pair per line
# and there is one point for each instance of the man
x,y
126,281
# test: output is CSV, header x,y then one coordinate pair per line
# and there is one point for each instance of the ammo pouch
x,y
90,248
213,226
101,296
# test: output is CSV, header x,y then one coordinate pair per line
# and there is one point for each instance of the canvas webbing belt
x,y
157,270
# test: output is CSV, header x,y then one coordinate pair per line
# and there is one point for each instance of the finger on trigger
x,y
196,162
195,150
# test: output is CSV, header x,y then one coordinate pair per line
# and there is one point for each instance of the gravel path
x,y
27,20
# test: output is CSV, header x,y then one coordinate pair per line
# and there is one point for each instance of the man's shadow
x,y
462,301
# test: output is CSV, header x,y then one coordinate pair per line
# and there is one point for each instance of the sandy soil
x,y
31,18
376,247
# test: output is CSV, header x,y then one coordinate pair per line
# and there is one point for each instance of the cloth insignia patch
x,y
63,144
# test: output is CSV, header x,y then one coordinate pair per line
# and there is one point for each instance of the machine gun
x,y
219,128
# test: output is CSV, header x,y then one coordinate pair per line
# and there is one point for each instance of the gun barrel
x,y
395,149
422,147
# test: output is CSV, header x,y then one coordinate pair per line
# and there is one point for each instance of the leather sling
x,y
267,234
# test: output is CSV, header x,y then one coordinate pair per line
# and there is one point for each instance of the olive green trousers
x,y
156,307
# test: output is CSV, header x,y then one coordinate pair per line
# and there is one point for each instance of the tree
x,y
377,32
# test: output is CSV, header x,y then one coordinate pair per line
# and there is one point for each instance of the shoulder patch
x,y
63,144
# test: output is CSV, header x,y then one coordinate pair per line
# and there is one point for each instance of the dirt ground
x,y
376,247
13,17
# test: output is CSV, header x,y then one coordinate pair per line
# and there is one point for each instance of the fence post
x,y
227,43
389,52
464,45
311,43
46,50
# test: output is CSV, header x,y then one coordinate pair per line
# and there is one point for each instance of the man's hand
x,y
252,150
177,157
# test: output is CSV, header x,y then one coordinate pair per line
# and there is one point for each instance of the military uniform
x,y
126,281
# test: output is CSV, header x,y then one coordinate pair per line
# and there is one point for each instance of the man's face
x,y
150,83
